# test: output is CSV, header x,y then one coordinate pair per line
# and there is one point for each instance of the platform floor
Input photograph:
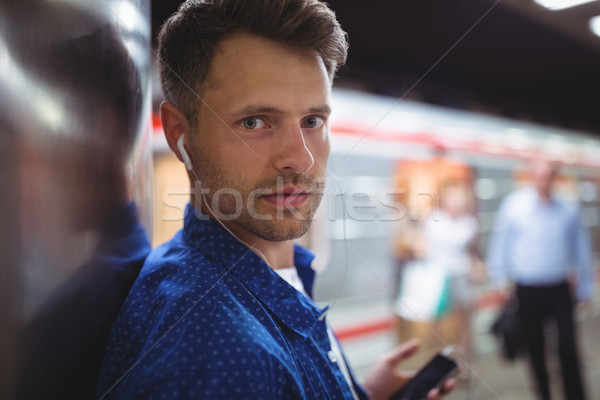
x,y
491,377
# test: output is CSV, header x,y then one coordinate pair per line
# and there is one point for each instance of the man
x,y
223,311
537,242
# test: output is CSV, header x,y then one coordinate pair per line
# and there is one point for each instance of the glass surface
x,y
74,142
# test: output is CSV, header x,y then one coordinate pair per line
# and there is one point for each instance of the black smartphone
x,y
432,375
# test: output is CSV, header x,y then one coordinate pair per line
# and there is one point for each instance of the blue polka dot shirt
x,y
208,319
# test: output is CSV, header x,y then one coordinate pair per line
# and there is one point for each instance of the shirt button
x,y
332,356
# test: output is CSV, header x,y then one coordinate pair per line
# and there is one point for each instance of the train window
x,y
486,189
485,222
588,191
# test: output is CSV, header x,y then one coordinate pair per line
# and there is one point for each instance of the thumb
x,y
403,351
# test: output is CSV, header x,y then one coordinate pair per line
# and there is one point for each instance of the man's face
x,y
262,139
543,176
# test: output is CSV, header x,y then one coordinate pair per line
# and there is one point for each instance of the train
x,y
389,157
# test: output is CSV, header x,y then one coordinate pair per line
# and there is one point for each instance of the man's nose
x,y
292,151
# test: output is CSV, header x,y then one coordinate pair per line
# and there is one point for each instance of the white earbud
x,y
186,158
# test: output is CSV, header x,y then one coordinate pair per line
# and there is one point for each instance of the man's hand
x,y
504,294
385,378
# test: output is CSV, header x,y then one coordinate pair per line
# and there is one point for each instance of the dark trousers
x,y
536,306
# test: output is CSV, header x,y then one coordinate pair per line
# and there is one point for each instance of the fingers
x,y
403,351
447,387
434,394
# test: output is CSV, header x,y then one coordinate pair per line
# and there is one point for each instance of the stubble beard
x,y
286,225
233,203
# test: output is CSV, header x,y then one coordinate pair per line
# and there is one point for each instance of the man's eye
x,y
313,122
253,123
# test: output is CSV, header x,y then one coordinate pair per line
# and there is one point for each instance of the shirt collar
x,y
535,199
303,259
211,239
123,220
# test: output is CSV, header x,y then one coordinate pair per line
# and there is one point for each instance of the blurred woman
x,y
450,235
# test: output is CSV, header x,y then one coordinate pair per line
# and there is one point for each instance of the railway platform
x,y
367,329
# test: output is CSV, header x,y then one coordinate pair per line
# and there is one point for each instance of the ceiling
x,y
505,57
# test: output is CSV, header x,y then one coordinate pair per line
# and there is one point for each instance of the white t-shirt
x,y
447,240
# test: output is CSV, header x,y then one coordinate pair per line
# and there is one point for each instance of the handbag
x,y
424,292
507,329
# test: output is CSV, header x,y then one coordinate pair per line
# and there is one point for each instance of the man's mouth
x,y
288,198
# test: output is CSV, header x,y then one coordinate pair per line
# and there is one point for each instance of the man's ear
x,y
174,124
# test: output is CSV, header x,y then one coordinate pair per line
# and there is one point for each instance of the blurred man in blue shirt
x,y
541,245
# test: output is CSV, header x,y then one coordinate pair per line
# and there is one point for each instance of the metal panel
x,y
74,143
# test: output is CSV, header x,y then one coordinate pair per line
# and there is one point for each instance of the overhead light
x,y
595,25
561,4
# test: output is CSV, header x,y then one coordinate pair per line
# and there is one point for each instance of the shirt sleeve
x,y
498,246
581,248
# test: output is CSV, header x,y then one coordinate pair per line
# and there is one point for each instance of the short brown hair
x,y
187,40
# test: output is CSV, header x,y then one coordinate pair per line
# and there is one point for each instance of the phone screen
x,y
429,377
